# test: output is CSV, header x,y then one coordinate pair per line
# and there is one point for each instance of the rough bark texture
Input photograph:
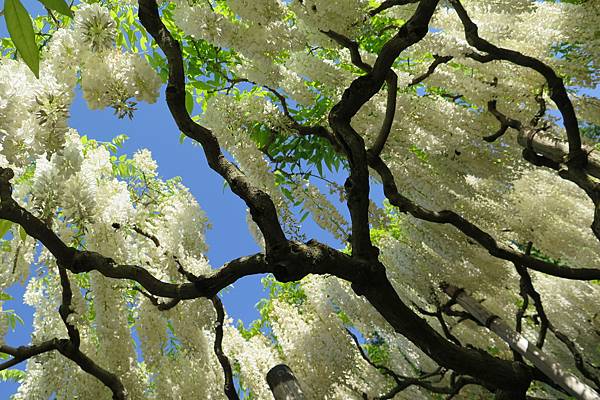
x,y
284,384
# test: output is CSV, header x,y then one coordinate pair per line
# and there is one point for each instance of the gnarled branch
x,y
260,204
558,93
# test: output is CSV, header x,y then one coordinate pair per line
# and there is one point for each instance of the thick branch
x,y
260,204
368,278
447,216
78,261
483,238
355,96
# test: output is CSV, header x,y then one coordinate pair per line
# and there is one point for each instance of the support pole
x,y
517,342
284,384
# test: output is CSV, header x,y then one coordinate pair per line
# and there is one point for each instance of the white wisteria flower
x,y
95,27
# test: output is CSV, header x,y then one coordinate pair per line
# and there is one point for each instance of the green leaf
x,y
20,28
304,216
22,233
189,102
59,6
4,227
5,296
15,375
319,166
201,85
12,319
287,193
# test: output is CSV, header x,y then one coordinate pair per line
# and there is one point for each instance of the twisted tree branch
x,y
228,386
361,90
558,93
261,206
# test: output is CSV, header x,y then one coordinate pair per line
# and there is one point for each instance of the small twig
x,y
539,98
65,308
52,16
403,382
154,300
147,235
228,386
364,355
577,356
505,122
437,60
525,287
389,4
188,275
438,314
352,46
390,112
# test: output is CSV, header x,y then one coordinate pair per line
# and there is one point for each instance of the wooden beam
x,y
551,368
557,149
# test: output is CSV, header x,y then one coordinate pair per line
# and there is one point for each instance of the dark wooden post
x,y
284,384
